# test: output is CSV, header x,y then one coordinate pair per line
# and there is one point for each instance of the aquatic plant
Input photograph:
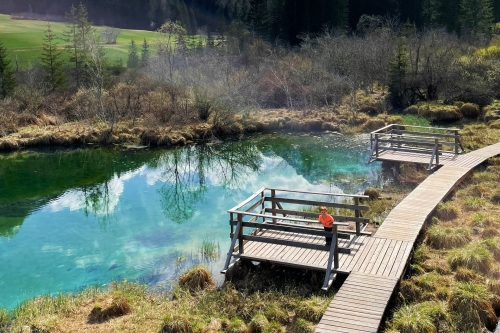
x,y
209,249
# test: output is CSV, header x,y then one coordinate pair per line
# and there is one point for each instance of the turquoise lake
x,y
74,218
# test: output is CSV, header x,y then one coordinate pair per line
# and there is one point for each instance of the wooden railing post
x,y
435,152
231,220
356,214
273,203
335,242
376,145
457,141
240,233
262,205
436,143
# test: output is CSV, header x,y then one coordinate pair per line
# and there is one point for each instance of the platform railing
x,y
289,211
415,139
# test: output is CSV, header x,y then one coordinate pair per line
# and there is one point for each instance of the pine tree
x,y
431,12
7,79
78,31
476,15
397,70
133,57
341,14
52,61
144,53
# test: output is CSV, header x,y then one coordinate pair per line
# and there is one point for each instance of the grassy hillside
x,y
24,39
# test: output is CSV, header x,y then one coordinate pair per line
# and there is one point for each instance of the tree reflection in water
x,y
186,172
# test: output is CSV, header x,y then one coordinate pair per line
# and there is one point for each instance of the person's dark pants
x,y
328,239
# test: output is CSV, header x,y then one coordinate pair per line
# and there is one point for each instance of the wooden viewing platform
x,y
427,145
263,230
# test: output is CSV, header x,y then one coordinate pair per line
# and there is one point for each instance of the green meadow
x,y
24,39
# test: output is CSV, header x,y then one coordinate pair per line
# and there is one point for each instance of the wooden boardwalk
x,y
360,303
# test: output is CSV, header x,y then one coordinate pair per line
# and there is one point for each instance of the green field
x,y
24,38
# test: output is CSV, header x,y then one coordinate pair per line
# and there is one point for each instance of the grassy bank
x,y
453,282
24,39
260,302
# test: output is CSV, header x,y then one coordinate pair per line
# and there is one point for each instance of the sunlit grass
x,y
423,317
474,256
24,39
195,305
471,303
441,237
414,120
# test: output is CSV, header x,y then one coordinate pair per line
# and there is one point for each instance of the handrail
x,y
321,193
250,198
413,126
397,137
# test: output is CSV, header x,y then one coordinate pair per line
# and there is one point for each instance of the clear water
x,y
74,218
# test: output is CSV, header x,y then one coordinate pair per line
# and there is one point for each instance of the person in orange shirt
x,y
327,222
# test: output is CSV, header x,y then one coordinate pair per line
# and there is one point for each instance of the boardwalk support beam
x,y
233,243
334,256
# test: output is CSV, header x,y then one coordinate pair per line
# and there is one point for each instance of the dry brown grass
x,y
196,279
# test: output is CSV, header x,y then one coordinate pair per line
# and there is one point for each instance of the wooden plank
x,y
359,286
363,255
330,312
399,258
360,321
367,297
367,265
284,263
383,257
350,326
404,262
355,248
359,306
392,258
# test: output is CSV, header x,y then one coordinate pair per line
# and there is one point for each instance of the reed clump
x,y
447,211
119,307
303,326
258,323
442,237
311,309
421,317
196,279
472,307
475,256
